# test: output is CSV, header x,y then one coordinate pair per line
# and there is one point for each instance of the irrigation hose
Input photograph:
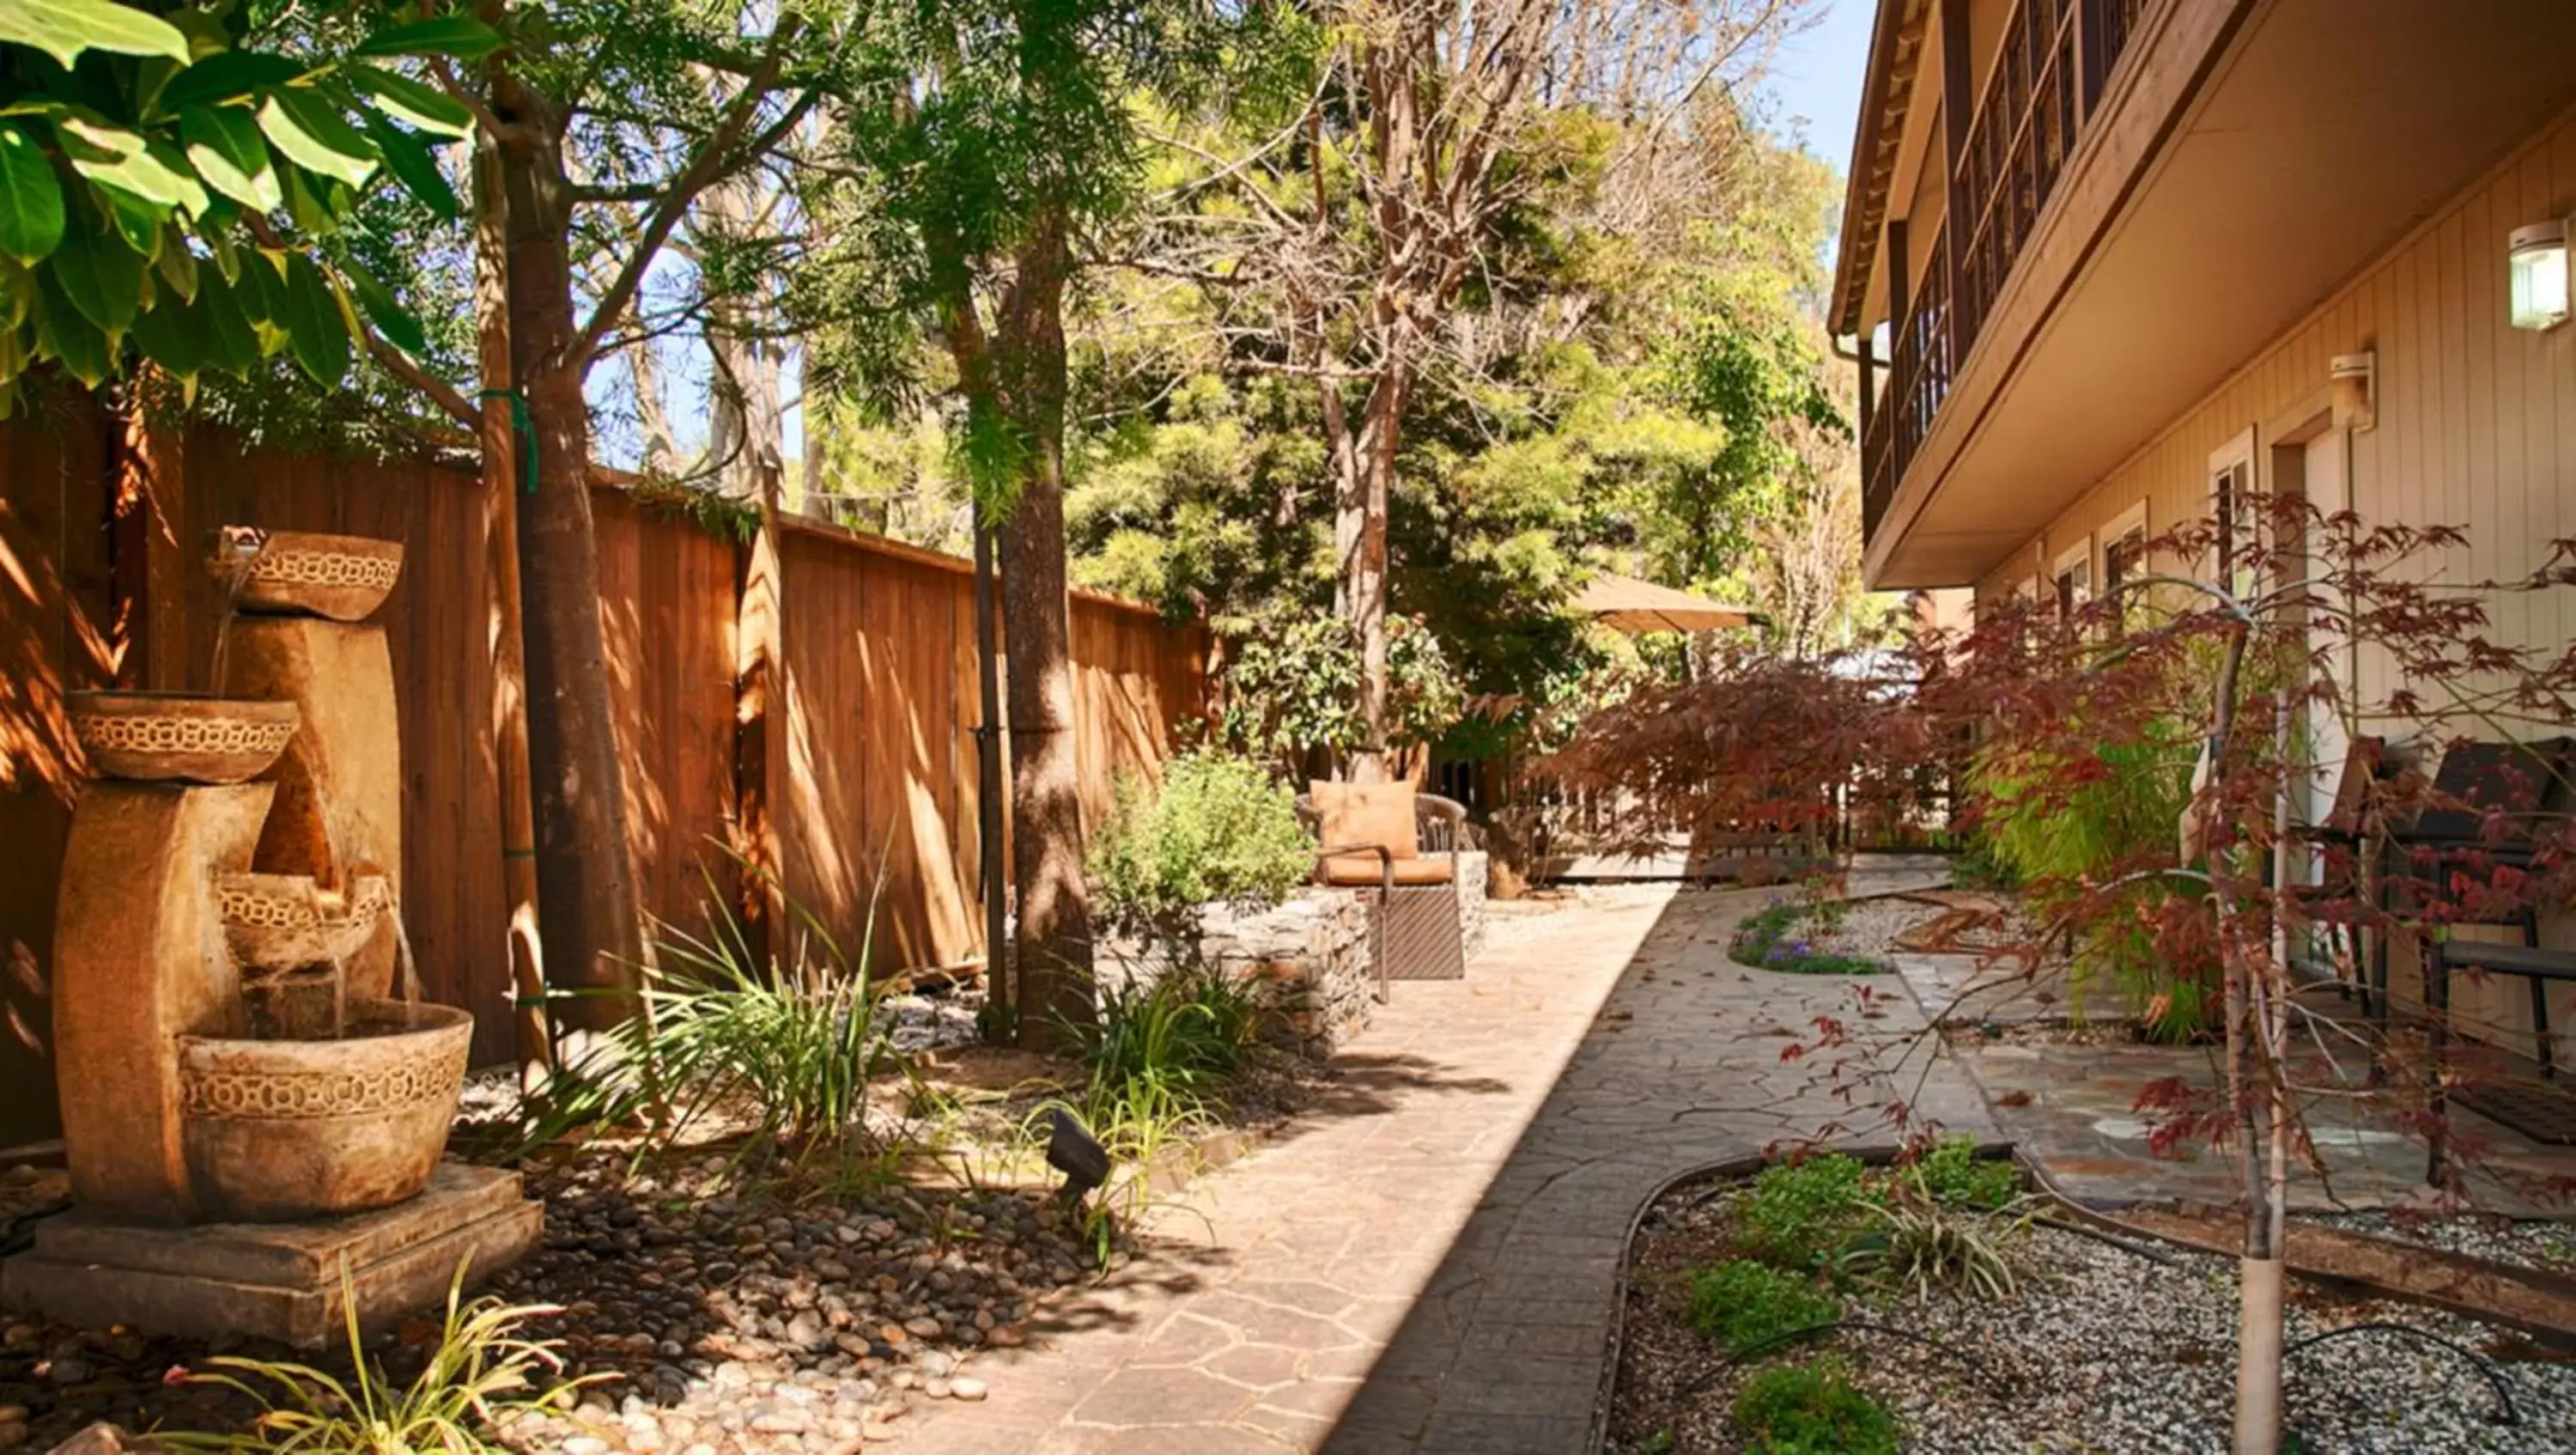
x,y
2505,1413
1764,1346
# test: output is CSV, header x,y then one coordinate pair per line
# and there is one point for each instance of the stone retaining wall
x,y
1311,955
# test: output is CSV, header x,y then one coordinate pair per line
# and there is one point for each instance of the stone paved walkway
x,y
1428,1260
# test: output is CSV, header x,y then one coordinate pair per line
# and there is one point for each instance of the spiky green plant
x,y
1919,1244
485,1373
793,1041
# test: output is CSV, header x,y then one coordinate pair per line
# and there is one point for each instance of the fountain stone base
x,y
280,1281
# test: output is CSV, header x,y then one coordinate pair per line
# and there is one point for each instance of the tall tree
x,y
966,196
622,104
1387,200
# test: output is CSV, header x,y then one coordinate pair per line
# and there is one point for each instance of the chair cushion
x,y
1367,813
1364,871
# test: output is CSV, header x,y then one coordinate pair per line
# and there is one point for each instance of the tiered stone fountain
x,y
255,1100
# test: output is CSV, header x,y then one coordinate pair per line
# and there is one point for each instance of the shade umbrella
x,y
1627,604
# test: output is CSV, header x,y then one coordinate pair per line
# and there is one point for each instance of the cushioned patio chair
x,y
1399,849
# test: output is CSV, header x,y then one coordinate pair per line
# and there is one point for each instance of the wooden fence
x,y
866,754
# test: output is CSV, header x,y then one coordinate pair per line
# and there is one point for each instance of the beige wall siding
x,y
2477,421
2476,428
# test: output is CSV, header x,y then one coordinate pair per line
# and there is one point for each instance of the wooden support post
x,y
1868,382
1900,301
1958,115
2092,65
992,855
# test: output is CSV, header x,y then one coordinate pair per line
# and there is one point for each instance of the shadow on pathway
x,y
1428,1259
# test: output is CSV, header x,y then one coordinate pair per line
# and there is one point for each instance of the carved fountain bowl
x,y
281,921
344,578
180,737
281,1130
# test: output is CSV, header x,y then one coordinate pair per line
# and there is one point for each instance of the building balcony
x,y
2042,93
2145,196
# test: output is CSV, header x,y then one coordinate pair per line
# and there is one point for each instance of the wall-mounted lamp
x,y
2356,389
2536,263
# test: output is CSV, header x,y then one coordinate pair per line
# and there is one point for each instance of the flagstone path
x,y
1428,1259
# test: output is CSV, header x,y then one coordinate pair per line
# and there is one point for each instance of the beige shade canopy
x,y
1633,606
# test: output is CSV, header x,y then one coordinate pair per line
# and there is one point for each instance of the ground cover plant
x,y
2109,1345
1741,1304
1782,936
1811,1409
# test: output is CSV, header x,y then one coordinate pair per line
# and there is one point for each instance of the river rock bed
x,y
2102,1350
732,1323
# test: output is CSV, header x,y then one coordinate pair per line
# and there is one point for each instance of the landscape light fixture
x,y
2536,264
1071,1151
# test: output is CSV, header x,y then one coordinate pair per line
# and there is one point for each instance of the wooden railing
x,y
2056,57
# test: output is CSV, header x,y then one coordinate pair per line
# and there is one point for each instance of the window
x,y
2073,578
2233,507
2124,555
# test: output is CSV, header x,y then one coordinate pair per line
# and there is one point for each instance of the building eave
x,y
1896,49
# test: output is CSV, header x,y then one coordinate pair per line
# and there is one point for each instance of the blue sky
x,y
1817,77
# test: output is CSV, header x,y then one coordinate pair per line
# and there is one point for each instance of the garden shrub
x,y
2056,821
1741,1304
1798,1214
1219,830
788,1032
1811,1409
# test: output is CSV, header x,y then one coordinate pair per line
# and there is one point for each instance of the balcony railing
x,y
2046,83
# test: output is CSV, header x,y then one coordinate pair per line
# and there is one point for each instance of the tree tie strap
x,y
519,425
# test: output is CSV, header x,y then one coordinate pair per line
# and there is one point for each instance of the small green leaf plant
x,y
1741,1304
168,181
1811,1409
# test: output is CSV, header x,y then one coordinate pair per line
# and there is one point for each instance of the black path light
x,y
1071,1151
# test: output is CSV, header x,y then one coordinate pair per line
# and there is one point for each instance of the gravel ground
x,y
733,1325
2102,1351
2547,1246
1870,926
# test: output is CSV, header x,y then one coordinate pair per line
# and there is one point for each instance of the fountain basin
x,y
344,578
180,736
282,921
287,1129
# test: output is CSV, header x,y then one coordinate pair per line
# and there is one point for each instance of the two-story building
x,y
2105,260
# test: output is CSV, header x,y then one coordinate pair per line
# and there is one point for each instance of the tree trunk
x,y
593,930
501,465
746,427
1362,518
2253,1104
661,445
1053,949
